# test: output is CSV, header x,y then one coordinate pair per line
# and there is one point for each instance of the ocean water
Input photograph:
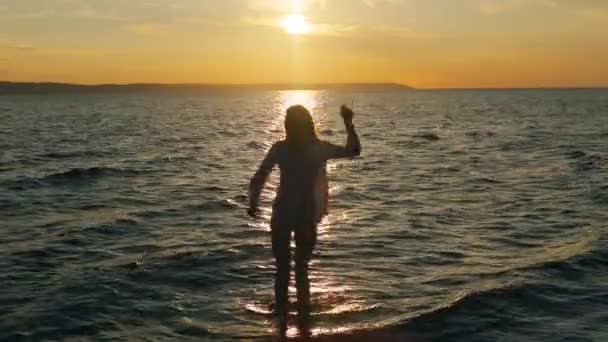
x,y
470,216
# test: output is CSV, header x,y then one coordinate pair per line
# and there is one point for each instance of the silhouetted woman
x,y
301,199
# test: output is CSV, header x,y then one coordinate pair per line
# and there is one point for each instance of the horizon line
x,y
207,84
294,85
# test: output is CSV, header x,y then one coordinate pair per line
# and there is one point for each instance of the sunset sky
x,y
422,43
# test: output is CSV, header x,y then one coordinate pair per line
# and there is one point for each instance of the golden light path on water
x,y
325,287
310,99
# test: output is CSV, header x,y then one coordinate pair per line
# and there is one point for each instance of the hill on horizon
x,y
7,87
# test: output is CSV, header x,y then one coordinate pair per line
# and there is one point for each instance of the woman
x,y
301,198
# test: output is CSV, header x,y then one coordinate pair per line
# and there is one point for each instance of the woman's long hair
x,y
301,133
299,127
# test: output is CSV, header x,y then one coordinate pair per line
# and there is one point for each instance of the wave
x,y
216,205
486,180
71,176
588,163
466,316
430,136
266,309
255,145
491,306
127,220
480,134
583,161
88,173
73,154
575,154
457,320
573,263
475,311
197,329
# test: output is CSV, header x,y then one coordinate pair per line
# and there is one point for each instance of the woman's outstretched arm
x,y
353,145
259,179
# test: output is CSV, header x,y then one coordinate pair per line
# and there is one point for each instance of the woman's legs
x,y
306,237
281,236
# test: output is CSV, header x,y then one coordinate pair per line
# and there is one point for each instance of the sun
x,y
296,24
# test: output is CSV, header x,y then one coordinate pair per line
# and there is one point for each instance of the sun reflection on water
x,y
306,98
311,99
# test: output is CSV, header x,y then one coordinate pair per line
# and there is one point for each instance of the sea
x,y
471,215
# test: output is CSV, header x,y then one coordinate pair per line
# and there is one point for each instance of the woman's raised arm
x,y
353,145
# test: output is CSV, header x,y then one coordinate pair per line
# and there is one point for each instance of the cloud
x,y
581,3
283,6
350,31
163,4
591,9
598,14
148,29
83,13
91,14
10,45
403,32
319,29
197,20
335,30
502,6
375,3
37,14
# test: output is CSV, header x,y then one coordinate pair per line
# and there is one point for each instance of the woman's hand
x,y
347,115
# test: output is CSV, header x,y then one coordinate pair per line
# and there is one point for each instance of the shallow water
x,y
471,216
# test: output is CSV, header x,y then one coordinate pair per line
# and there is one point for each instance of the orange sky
x,y
422,43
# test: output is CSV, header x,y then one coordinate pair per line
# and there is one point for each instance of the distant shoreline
x,y
8,87
519,88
